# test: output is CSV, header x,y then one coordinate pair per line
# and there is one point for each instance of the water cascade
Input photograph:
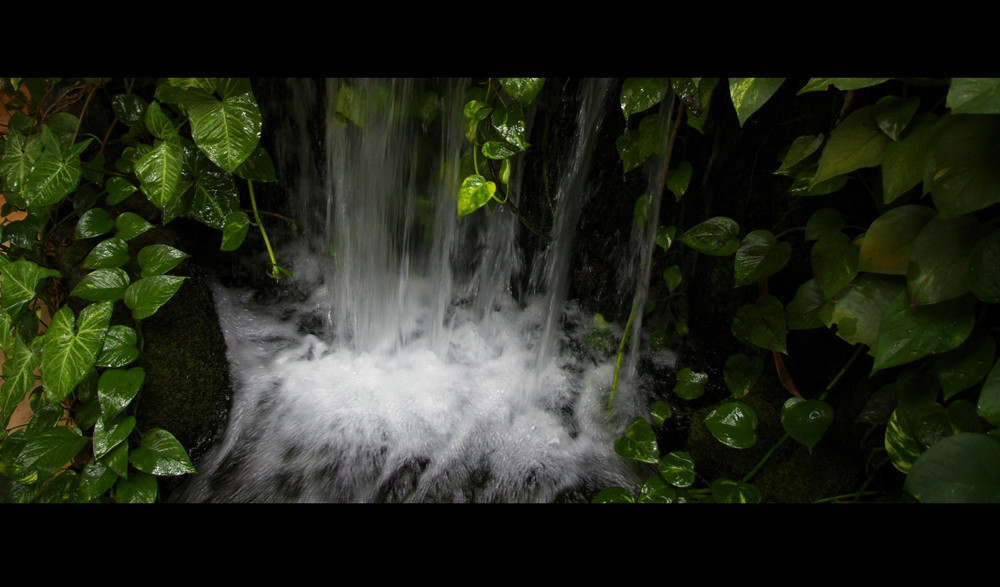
x,y
411,366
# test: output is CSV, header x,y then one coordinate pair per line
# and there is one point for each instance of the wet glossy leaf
x,y
741,372
120,347
613,495
48,451
130,225
137,488
71,347
522,89
903,164
939,259
227,130
856,143
159,172
665,237
729,491
806,420
110,432
119,189
886,246
893,113
690,384
107,254
116,389
841,83
96,479
750,93
474,193
983,272
20,278
963,468
102,285
963,166
989,397
258,167
656,490
19,365
628,150
158,259
144,297
908,333
974,95
677,468
158,123
94,222
499,150
761,324
660,412
733,424
760,255
802,312
159,453
639,442
129,108
52,178
903,449
640,94
834,260
716,236
234,231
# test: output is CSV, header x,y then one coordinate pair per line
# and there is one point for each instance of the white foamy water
x,y
409,369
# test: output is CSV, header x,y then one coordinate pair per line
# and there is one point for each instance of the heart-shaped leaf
x,y
741,372
159,453
760,255
677,468
761,324
733,424
729,491
639,442
963,468
806,420
716,236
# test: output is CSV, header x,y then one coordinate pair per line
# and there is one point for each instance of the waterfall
x,y
411,368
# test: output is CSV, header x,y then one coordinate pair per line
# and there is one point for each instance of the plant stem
x,y
263,233
618,361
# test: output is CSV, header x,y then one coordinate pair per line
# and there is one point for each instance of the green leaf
x,y
729,491
52,177
107,254
144,297
716,236
129,108
893,113
102,285
886,246
733,424
159,172
834,260
677,468
50,450
474,193
119,189
159,453
639,94
679,178
988,407
823,221
130,225
965,366
499,149
690,384
802,313
903,449
522,89
120,347
665,237
800,149
750,93
158,259
841,83
672,277
903,164
983,272
806,421
116,389
19,366
741,372
628,150
963,165
643,208
227,130
234,230
761,324
96,479
974,95
111,432
760,255
258,167
158,123
857,142
939,259
655,490
71,347
215,195
613,495
963,468
858,309
20,278
639,442
94,222
908,332
137,488
660,411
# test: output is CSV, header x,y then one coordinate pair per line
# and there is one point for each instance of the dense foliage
x,y
173,143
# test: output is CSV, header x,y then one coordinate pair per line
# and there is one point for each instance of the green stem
x,y
263,233
618,361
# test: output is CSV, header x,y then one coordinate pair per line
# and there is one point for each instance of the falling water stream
x,y
411,368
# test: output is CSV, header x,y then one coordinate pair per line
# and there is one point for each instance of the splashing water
x,y
410,369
